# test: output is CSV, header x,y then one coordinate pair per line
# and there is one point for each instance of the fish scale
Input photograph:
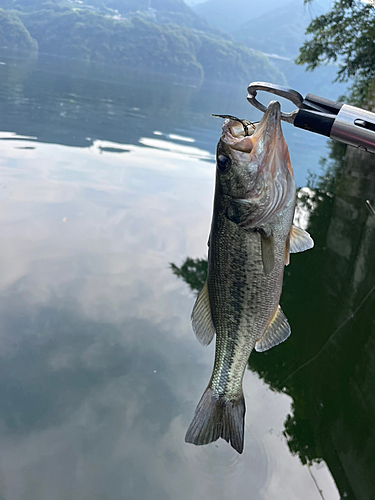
x,y
252,296
250,240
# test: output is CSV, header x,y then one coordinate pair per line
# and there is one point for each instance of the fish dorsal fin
x,y
300,240
201,318
277,331
268,252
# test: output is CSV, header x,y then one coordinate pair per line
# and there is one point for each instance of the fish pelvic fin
x,y
277,331
201,318
217,417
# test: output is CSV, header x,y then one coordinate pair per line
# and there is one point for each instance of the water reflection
x,y
75,103
329,298
99,370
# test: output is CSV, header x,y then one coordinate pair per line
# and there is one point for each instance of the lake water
x,y
106,178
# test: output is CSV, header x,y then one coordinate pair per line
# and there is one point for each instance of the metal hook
x,y
244,123
292,95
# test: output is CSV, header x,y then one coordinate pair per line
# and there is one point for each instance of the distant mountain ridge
x,y
276,28
241,14
229,17
142,39
281,31
13,33
192,3
175,11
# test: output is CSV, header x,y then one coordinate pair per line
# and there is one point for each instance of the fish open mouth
x,y
239,127
243,135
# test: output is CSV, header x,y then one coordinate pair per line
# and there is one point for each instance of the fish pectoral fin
x,y
300,240
201,318
277,331
268,252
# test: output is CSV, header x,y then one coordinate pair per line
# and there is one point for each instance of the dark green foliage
x,y
300,437
13,33
193,272
347,35
326,183
87,35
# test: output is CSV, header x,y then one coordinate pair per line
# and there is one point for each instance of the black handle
x,y
317,114
321,104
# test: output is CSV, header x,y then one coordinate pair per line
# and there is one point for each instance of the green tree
x,y
193,272
13,34
346,35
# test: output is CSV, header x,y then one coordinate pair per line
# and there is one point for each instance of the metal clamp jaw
x,y
342,122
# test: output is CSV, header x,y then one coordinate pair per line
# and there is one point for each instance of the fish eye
x,y
223,163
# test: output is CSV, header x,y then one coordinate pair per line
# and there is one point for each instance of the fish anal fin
x,y
268,252
201,318
277,331
216,417
300,240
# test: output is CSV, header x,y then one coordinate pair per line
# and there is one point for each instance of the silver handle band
x,y
350,127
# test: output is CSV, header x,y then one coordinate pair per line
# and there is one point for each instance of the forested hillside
x,y
13,33
135,39
162,11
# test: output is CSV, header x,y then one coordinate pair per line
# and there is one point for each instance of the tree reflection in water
x,y
328,364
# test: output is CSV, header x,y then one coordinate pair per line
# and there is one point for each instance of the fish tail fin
x,y
217,417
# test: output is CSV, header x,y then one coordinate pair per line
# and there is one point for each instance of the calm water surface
x,y
105,179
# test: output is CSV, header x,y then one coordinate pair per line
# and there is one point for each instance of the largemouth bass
x,y
252,235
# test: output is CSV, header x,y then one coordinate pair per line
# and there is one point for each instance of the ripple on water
x,y
222,468
190,151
